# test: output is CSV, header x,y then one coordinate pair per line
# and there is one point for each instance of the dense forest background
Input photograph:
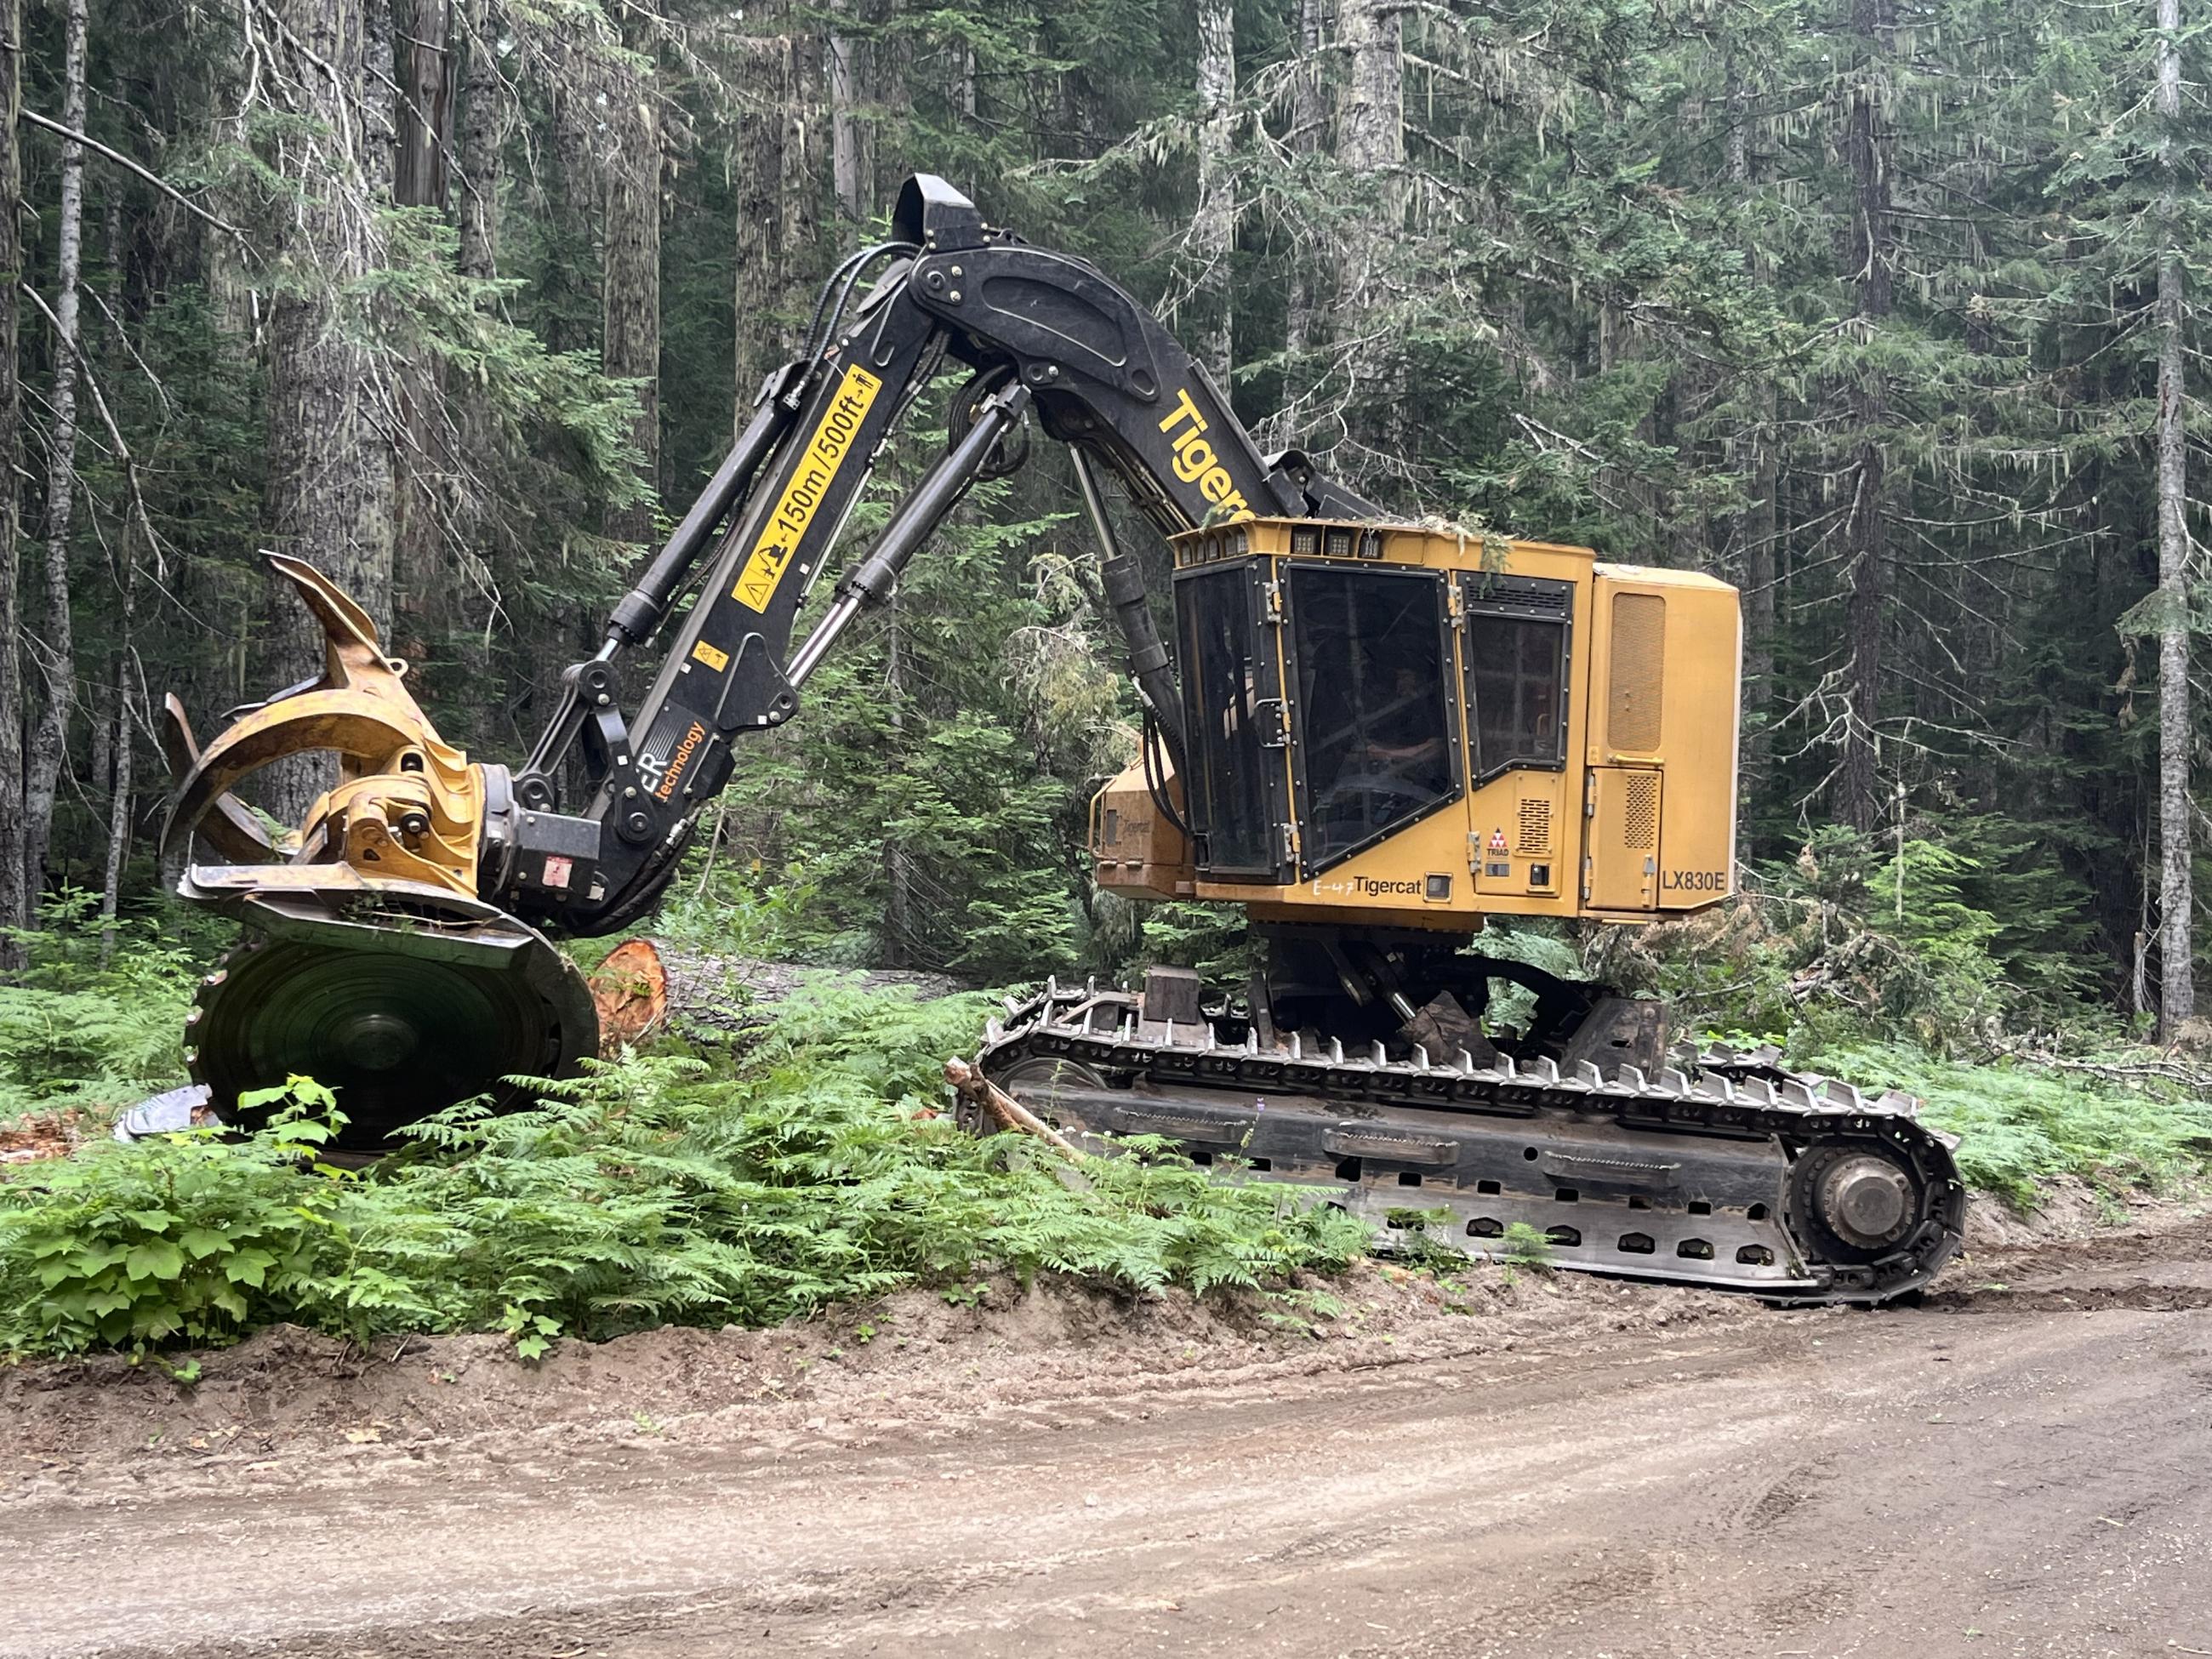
x,y
1884,311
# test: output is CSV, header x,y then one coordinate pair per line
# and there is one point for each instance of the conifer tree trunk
x,y
1308,112
2177,979
1756,526
55,648
772,198
328,494
1370,142
120,723
15,908
476,122
852,149
1871,251
378,93
1214,229
117,728
425,104
425,572
629,292
1308,92
1370,124
482,127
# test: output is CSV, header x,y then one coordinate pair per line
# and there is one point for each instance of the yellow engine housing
x,y
1626,814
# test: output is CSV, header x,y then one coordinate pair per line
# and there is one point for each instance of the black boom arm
x,y
1047,335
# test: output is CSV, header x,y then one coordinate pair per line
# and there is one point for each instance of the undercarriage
x,y
1718,1168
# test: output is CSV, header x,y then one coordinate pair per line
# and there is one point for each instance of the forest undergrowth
x,y
665,1188
694,1183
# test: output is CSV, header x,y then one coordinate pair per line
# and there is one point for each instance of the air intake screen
x,y
1639,812
1639,673
1535,827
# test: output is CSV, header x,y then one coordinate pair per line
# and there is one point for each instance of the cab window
x,y
1375,732
1516,643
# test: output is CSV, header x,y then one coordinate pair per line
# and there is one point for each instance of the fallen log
x,y
1002,1109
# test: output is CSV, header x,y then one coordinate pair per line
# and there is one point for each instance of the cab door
x,y
1620,843
1233,715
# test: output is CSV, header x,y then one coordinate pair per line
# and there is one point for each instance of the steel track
x,y
1705,1173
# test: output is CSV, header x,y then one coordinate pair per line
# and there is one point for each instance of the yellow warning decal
x,y
717,661
809,487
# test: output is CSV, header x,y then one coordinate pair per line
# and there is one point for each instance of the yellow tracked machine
x,y
1371,734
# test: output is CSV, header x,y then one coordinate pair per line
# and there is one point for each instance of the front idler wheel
x,y
1856,1202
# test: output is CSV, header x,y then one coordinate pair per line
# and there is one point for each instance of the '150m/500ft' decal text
x,y
810,485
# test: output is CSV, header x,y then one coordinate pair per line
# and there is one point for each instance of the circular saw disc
x,y
398,1037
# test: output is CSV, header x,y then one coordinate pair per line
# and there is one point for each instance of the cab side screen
x,y
1517,669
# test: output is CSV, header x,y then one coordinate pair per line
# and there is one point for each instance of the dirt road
x,y
2021,1466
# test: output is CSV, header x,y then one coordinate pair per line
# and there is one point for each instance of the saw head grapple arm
x,y
470,851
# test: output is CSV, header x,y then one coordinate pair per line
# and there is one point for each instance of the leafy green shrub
x,y
75,1030
738,910
2024,1124
653,1191
1855,940
1526,1246
187,1237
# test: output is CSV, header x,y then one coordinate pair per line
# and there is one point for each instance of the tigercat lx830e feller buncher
x,y
1370,734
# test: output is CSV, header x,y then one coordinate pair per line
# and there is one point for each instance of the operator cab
x,y
1393,717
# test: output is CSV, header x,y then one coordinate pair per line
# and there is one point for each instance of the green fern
x,y
656,1190
76,1032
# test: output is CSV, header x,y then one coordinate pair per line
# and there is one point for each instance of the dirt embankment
x,y
1521,1466
922,1363
913,1366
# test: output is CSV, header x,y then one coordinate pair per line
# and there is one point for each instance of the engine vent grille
x,y
1639,813
1535,827
1639,673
